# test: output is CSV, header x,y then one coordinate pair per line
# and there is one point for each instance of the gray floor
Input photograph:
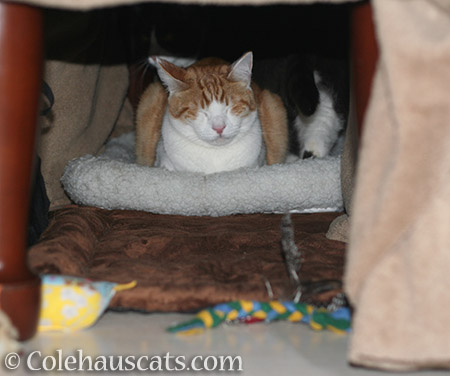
x,y
265,349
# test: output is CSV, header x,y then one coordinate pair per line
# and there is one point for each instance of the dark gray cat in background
x,y
315,91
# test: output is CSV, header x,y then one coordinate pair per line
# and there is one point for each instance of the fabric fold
x,y
396,272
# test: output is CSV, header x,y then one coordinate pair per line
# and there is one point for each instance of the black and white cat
x,y
315,93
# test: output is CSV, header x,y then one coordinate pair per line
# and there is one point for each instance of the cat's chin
x,y
220,141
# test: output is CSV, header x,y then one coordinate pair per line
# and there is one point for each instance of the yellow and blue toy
x,y
247,311
72,303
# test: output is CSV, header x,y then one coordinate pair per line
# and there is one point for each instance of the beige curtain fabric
x,y
397,272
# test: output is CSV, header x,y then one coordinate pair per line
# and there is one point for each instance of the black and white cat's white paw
x,y
306,154
317,148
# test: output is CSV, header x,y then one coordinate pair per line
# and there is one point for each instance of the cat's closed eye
x,y
184,112
239,109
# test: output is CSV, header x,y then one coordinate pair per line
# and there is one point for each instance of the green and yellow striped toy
x,y
248,311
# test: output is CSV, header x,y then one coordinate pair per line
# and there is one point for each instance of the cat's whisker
x,y
141,63
142,68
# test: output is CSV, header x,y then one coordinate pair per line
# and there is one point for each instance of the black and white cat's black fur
x,y
315,93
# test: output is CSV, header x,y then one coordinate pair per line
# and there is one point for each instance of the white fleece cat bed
x,y
113,180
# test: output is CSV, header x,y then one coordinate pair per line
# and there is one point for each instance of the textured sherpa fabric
x,y
113,181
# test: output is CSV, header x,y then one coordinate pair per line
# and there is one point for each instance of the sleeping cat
x,y
314,90
210,118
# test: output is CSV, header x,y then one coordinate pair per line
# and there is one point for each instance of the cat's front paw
x,y
315,149
307,154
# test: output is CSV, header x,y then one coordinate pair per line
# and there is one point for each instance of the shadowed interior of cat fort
x,y
269,31
289,44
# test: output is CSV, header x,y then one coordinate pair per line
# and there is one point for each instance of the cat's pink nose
x,y
219,128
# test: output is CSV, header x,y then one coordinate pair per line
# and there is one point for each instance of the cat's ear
x,y
171,75
241,69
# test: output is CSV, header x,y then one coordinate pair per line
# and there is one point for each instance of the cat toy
x,y
71,303
246,311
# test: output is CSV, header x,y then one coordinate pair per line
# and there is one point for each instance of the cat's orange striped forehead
x,y
207,82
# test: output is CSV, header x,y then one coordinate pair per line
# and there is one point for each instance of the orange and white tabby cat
x,y
210,117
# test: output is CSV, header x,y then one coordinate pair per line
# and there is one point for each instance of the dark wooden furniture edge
x,y
364,51
20,85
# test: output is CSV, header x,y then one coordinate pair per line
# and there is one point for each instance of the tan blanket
x,y
82,75
398,263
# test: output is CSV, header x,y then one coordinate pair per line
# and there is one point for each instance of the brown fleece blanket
x,y
189,263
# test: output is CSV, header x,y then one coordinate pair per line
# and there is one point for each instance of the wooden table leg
x,y
364,57
20,84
